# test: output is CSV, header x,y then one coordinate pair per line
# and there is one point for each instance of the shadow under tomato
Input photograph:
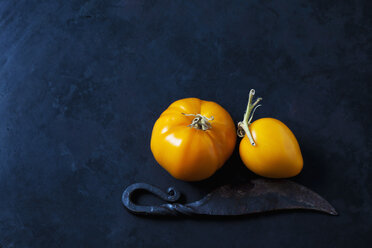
x,y
232,172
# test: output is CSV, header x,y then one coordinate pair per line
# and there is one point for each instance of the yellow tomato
x,y
276,153
268,148
193,138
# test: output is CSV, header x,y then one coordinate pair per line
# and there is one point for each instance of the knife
x,y
257,196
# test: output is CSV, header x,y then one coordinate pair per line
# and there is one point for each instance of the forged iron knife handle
x,y
171,196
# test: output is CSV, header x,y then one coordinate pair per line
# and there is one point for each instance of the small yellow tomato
x,y
276,153
268,148
193,138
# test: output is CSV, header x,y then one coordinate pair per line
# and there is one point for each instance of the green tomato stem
x,y
243,126
200,121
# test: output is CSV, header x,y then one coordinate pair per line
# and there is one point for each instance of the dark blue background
x,y
82,82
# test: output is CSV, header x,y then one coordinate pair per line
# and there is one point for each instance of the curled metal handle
x,y
171,196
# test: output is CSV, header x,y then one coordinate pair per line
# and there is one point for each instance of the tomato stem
x,y
200,121
243,126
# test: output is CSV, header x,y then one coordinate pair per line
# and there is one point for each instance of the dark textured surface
x,y
82,82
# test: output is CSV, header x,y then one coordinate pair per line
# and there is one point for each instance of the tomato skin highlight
x,y
276,154
189,153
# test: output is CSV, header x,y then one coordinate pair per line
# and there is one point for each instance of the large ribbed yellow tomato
x,y
268,148
193,138
276,153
